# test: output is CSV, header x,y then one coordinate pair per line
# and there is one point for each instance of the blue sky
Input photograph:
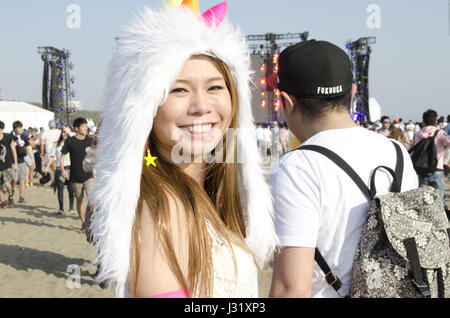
x,y
410,64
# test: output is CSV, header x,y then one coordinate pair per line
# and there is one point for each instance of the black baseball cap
x,y
313,69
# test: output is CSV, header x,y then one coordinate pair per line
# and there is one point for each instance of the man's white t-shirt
x,y
51,138
318,205
260,133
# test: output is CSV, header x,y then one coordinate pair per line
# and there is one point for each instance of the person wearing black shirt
x,y
82,182
22,149
8,156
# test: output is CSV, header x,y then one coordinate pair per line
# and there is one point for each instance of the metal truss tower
x,y
57,93
359,52
264,56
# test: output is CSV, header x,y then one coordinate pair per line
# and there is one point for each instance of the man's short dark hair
x,y
314,108
448,119
78,122
430,117
2,125
384,118
17,124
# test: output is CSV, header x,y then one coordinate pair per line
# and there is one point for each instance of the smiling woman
x,y
198,109
195,228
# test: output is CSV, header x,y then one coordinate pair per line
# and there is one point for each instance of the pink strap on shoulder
x,y
175,294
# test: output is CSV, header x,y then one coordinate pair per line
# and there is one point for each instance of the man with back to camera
x,y
82,182
442,141
317,205
49,138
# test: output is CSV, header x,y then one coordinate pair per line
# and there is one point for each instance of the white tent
x,y
29,115
374,109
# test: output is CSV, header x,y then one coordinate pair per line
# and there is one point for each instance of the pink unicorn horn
x,y
215,15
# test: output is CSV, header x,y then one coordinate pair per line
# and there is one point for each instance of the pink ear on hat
x,y
215,15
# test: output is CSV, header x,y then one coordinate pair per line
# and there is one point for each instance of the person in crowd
x,y
189,227
275,140
316,204
30,165
440,123
385,129
82,182
284,139
36,144
8,163
410,130
48,142
268,140
402,124
442,141
22,150
400,136
260,139
60,181
447,128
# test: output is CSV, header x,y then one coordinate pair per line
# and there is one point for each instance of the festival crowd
x,y
62,157
341,216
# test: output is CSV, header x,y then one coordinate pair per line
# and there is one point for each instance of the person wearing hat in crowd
x,y
317,205
167,226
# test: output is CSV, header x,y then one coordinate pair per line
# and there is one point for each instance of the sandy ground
x,y
41,253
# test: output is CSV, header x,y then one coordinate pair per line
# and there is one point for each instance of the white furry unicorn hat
x,y
149,55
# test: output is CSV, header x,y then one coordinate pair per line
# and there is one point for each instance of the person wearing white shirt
x,y
317,205
60,182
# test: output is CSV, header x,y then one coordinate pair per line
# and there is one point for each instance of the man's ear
x,y
289,105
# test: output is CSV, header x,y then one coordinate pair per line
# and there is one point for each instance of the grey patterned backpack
x,y
404,250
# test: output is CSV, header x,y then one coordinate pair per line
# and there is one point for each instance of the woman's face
x,y
198,109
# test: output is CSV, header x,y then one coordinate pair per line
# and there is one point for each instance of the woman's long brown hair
x,y
218,203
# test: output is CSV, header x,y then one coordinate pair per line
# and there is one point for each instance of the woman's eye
x,y
216,88
178,90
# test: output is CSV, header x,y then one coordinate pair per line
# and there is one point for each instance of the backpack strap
x,y
399,166
331,278
341,164
413,257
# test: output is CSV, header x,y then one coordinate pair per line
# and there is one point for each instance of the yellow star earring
x,y
149,159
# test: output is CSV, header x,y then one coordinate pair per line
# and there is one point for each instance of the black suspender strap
x,y
413,257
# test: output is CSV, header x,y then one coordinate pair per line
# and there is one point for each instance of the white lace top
x,y
226,283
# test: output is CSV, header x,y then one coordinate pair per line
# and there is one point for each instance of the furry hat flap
x,y
149,55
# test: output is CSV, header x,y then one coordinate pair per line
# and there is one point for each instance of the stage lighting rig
x,y
264,56
359,52
57,93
